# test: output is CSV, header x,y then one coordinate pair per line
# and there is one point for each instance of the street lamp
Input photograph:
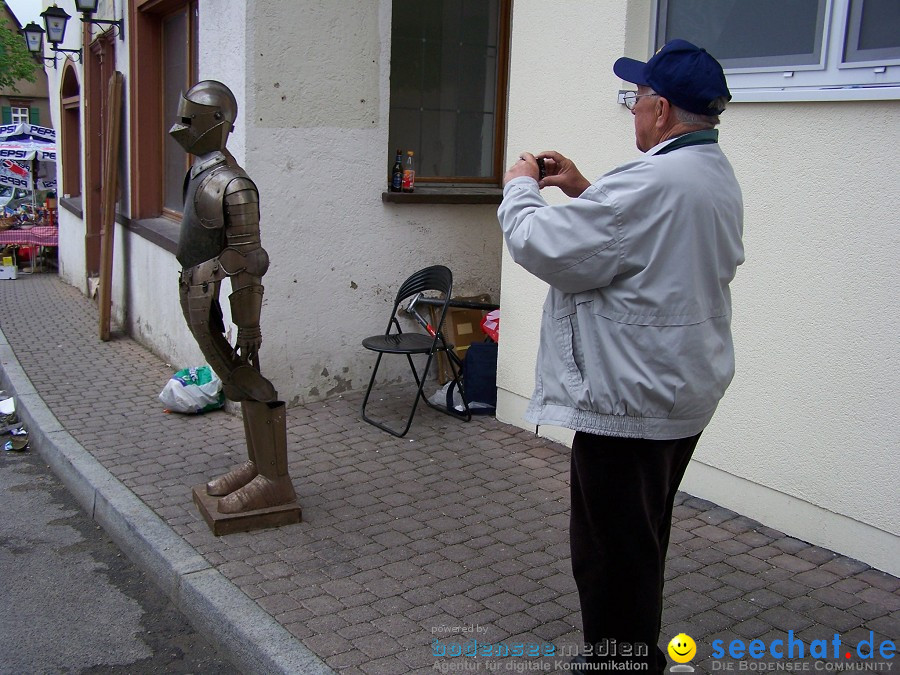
x,y
55,20
34,39
87,9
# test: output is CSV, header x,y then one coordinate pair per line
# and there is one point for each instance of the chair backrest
x,y
434,278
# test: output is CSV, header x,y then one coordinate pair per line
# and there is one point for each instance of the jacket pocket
x,y
567,346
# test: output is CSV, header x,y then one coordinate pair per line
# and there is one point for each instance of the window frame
x,y
149,117
12,114
834,79
70,131
462,183
854,21
190,9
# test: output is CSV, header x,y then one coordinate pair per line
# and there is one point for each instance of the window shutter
x,y
34,116
7,115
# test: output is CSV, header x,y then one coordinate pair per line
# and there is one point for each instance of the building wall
x,y
71,249
33,92
312,81
317,145
805,439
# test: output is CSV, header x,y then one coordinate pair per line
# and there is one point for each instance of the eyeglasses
x,y
629,98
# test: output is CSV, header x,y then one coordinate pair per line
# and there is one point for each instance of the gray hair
x,y
704,121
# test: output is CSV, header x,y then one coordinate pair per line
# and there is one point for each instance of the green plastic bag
x,y
193,390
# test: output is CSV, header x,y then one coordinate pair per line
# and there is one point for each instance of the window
x,y
164,41
873,32
70,128
840,48
19,112
177,78
19,115
448,88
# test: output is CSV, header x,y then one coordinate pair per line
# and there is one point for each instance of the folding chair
x,y
435,278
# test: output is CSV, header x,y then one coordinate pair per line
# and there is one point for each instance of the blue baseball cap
x,y
681,72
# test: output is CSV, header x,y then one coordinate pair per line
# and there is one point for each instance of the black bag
x,y
479,378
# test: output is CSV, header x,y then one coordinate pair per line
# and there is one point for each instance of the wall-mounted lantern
x,y
87,9
55,20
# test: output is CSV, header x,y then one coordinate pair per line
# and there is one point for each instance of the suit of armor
x,y
220,239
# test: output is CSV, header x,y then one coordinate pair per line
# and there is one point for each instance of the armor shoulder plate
x,y
209,200
241,190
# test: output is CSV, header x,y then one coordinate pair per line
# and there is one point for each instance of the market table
x,y
39,235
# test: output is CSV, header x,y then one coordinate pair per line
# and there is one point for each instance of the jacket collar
x,y
703,137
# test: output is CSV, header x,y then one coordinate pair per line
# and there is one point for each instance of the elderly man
x,y
636,348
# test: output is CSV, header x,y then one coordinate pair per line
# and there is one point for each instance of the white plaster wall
x,y
812,411
806,438
223,55
318,82
71,250
145,278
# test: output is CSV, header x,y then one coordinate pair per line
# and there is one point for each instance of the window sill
x,y
72,205
160,231
446,195
798,94
805,94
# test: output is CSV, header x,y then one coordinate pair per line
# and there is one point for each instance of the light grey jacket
x,y
636,329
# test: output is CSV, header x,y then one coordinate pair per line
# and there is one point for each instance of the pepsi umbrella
x,y
28,157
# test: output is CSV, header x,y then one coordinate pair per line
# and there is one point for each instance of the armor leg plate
x,y
267,435
197,302
239,476
240,382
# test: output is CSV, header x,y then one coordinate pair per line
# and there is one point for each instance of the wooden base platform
x,y
229,523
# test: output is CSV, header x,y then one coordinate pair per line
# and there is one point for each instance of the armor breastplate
x,y
198,243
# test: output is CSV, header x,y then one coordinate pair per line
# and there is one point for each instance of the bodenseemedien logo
x,y
682,649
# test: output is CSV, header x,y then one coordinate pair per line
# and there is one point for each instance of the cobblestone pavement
x,y
458,527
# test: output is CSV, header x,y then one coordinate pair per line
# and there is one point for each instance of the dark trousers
x,y
623,490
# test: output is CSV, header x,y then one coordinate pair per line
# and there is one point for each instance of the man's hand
x,y
561,173
526,165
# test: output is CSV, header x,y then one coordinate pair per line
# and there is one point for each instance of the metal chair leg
x,y
420,382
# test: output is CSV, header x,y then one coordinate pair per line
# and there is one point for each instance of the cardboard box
x,y
462,327
9,272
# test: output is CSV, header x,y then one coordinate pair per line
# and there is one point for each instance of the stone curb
x,y
252,639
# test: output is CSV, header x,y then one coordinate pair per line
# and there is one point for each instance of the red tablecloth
x,y
40,235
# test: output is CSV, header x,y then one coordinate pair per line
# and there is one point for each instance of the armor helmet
x,y
207,113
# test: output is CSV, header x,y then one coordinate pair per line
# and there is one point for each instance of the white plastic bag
x,y
193,390
439,398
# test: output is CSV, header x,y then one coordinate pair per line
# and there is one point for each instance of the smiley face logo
x,y
682,648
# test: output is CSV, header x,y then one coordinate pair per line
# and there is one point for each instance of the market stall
x,y
28,221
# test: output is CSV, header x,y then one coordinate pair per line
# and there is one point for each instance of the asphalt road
x,y
71,602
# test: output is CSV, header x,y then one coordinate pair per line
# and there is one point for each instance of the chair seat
x,y
400,343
